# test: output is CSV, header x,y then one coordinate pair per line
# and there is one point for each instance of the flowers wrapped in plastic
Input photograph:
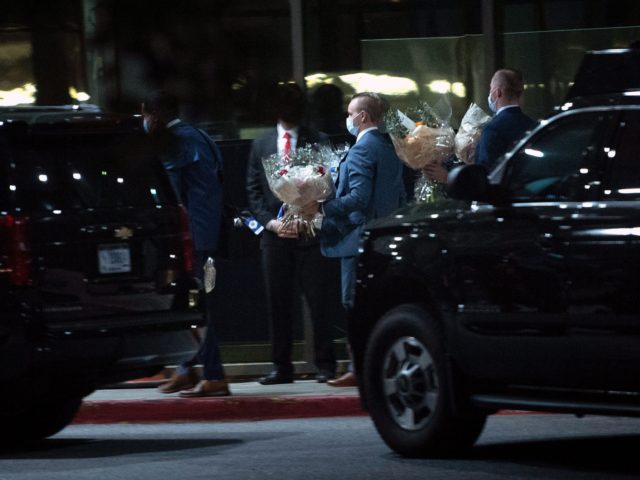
x,y
302,177
421,137
469,133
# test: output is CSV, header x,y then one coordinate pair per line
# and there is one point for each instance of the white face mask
x,y
492,104
351,127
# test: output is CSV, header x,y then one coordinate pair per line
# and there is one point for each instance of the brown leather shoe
x,y
208,388
179,382
346,380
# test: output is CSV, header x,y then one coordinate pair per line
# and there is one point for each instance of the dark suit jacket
x,y
194,165
263,203
500,134
369,186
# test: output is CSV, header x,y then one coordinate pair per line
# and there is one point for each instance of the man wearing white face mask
x,y
509,123
369,186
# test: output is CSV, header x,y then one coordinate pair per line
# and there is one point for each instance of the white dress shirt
x,y
281,140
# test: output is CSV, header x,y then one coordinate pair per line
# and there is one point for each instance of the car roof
x,y
628,98
64,117
35,113
606,72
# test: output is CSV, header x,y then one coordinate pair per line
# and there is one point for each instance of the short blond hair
x,y
373,104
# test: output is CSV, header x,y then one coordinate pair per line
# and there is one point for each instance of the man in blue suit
x,y
369,186
509,123
507,126
194,166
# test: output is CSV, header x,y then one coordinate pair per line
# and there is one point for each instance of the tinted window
x,y
560,161
47,172
624,181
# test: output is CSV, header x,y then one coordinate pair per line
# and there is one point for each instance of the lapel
x,y
271,143
344,157
303,137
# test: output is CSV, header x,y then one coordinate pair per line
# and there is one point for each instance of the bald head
x,y
510,82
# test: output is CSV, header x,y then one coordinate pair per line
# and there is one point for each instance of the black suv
x,y
521,293
95,264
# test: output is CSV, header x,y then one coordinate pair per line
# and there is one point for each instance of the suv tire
x,y
408,387
39,420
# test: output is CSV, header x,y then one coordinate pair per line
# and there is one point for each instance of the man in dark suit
x,y
509,123
290,263
369,186
194,166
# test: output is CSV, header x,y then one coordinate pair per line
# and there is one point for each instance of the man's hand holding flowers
x,y
436,172
301,180
424,141
310,210
283,230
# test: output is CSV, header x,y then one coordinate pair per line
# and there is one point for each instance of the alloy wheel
x,y
410,383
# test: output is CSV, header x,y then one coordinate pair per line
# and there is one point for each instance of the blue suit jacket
x,y
369,186
500,134
194,165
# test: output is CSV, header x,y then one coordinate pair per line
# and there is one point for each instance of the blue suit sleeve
x,y
361,171
489,148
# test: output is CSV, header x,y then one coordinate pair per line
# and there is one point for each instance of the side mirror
x,y
468,182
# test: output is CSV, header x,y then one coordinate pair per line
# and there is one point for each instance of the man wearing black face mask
x,y
290,263
194,165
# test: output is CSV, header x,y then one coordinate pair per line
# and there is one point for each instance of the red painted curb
x,y
217,409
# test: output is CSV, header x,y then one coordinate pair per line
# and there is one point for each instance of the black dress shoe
x,y
276,378
323,376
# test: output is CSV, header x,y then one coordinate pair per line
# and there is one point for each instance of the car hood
x,y
421,214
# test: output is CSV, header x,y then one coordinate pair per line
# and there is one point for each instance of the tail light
x,y
187,243
14,253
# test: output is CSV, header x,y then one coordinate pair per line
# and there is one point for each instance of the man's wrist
x,y
272,225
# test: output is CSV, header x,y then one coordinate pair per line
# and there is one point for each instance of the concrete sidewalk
x,y
142,403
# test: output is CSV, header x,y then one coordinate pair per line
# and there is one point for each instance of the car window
x,y
624,155
53,172
559,162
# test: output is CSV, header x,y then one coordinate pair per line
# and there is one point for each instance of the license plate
x,y
114,258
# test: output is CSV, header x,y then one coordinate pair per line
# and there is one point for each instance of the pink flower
x,y
321,170
283,172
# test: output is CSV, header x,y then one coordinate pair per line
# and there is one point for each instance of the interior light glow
x,y
43,178
459,90
79,96
77,176
533,153
384,84
17,96
439,86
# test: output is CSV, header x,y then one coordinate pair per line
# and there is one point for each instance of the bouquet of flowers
x,y
421,137
304,176
469,133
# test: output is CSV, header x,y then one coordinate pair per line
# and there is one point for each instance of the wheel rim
x,y
410,383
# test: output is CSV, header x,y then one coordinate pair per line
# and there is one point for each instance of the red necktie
x,y
287,145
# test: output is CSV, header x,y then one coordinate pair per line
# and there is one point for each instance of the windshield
x,y
51,172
